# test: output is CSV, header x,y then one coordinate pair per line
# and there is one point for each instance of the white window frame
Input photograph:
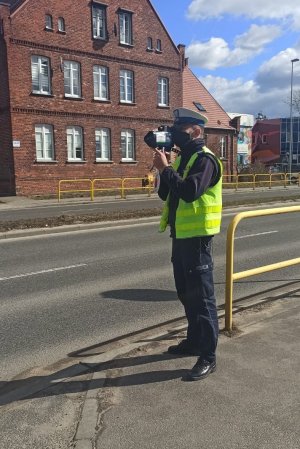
x,y
158,45
44,131
149,43
39,63
128,154
126,86
61,25
72,68
100,77
48,22
99,22
163,91
102,139
223,147
125,27
73,132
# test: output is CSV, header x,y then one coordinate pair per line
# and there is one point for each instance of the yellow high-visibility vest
x,y
202,216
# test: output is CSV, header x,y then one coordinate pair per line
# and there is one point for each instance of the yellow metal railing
x,y
118,181
230,275
72,181
118,184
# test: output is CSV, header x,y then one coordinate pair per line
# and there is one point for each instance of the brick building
x,y
81,82
266,141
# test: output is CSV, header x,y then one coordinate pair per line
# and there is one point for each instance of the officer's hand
x,y
160,160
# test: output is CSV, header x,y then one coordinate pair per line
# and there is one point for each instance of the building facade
x,y
81,83
244,141
271,143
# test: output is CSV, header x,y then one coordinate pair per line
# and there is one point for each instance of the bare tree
x,y
296,101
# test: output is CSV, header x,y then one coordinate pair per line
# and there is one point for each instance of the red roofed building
x,y
220,130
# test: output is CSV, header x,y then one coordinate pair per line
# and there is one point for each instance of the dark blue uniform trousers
x,y
193,274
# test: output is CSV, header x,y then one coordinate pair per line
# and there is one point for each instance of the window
x,y
99,22
264,138
61,24
40,74
100,82
125,22
72,79
223,149
126,86
44,142
48,22
163,92
149,43
102,137
74,143
158,45
199,106
127,144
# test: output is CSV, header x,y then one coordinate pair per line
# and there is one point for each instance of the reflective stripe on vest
x,y
202,216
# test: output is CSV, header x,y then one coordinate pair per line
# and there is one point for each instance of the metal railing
x,y
71,181
255,180
122,185
230,275
119,184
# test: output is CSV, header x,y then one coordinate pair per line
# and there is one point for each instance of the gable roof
x,y
12,3
195,92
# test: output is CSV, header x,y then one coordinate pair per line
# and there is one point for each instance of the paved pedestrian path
x,y
134,397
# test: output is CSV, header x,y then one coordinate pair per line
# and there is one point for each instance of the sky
x,y
241,51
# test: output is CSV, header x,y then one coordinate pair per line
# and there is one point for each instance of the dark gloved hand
x,y
150,139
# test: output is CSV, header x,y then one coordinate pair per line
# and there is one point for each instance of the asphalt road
x,y
62,292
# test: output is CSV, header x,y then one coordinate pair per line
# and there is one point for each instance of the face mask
x,y
181,138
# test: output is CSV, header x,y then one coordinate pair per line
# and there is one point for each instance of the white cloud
x,y
250,97
254,9
216,52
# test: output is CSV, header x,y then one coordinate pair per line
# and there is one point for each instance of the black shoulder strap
x,y
217,169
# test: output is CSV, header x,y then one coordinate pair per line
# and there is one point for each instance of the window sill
x,y
98,100
75,162
223,159
61,32
49,29
100,39
103,161
159,52
124,103
73,98
41,94
123,44
45,161
161,106
128,161
150,49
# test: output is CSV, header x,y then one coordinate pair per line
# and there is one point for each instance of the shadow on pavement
x,y
61,382
136,294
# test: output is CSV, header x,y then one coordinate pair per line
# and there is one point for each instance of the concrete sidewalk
x,y
134,397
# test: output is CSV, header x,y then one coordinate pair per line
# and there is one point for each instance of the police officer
x,y
192,190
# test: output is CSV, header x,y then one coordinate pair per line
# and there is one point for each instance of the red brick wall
x,y
27,37
212,138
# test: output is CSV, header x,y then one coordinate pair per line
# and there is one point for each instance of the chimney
x,y
181,49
